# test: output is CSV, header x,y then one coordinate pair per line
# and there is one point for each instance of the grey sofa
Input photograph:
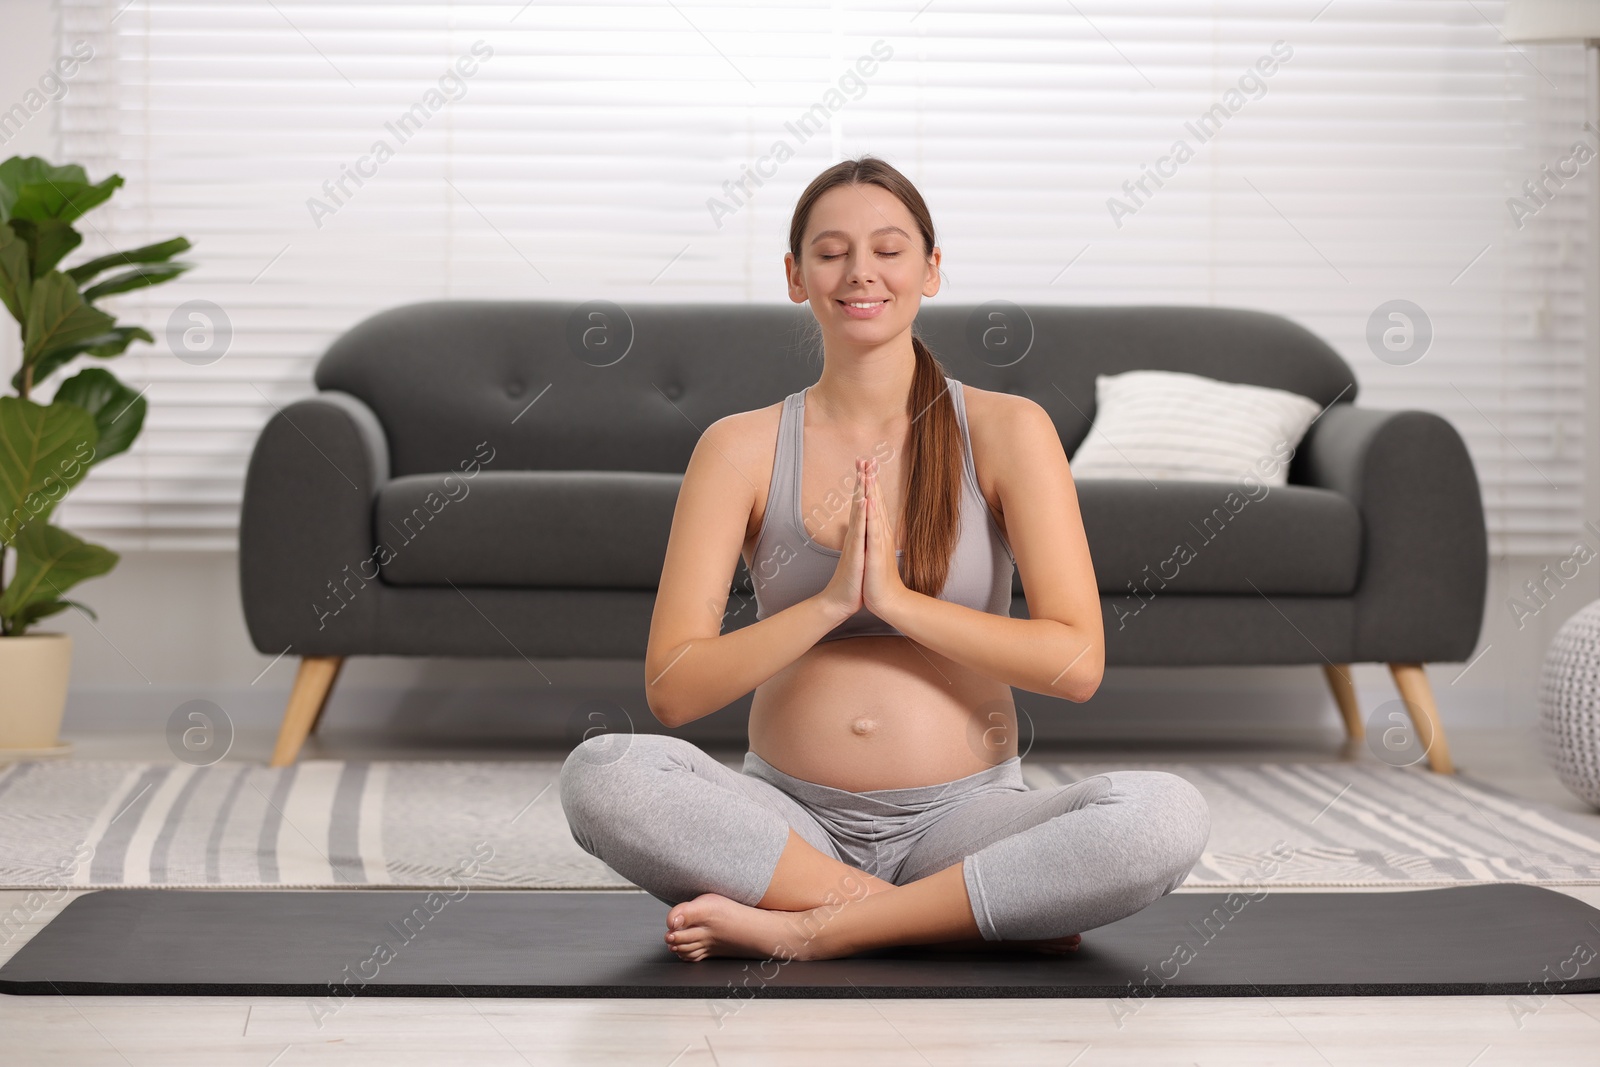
x,y
485,478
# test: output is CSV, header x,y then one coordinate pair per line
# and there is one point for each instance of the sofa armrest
x,y
306,563
1424,554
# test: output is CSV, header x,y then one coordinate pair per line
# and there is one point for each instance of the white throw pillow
x,y
1160,424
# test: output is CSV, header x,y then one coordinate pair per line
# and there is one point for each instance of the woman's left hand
x,y
882,586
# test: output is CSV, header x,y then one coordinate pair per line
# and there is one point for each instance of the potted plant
x,y
46,449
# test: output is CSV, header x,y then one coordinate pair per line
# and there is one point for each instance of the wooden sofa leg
x,y
1344,694
310,694
1412,681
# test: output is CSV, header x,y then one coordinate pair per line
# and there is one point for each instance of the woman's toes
x,y
690,950
713,925
690,913
690,926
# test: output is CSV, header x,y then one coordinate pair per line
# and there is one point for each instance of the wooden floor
x,y
1280,1031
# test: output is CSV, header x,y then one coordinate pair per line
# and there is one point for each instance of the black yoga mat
x,y
1485,939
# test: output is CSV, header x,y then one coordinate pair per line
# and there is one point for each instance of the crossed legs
x,y
751,873
819,886
855,912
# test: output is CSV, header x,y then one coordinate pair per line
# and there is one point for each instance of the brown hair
x,y
934,449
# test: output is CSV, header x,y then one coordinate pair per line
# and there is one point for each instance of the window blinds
x,y
1318,160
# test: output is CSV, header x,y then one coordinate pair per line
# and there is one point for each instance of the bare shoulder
x,y
1007,431
746,439
743,446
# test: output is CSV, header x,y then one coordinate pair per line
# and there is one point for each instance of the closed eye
x,y
838,254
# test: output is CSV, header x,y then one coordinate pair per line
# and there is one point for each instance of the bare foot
x,y
713,925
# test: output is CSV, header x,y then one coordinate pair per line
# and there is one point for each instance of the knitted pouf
x,y
1569,703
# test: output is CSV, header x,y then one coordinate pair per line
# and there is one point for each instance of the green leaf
x,y
159,252
111,343
49,562
32,613
62,200
117,410
19,171
31,188
16,278
58,316
49,240
138,278
44,451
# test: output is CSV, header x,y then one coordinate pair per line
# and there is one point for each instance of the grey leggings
x,y
1038,863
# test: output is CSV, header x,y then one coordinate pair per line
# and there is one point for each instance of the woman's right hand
x,y
844,590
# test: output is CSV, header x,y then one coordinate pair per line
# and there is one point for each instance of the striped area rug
x,y
1361,825
337,824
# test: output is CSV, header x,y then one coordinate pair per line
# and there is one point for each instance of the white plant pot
x,y
34,670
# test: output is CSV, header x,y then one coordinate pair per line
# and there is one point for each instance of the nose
x,y
860,270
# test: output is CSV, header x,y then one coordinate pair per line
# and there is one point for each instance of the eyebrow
x,y
874,233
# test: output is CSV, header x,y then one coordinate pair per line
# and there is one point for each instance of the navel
x,y
864,726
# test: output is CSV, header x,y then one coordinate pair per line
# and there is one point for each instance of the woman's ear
x,y
792,278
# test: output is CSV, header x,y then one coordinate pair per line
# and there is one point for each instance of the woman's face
x,y
861,246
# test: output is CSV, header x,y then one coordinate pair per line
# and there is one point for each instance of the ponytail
x,y
932,516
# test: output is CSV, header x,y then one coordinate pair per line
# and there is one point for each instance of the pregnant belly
x,y
864,713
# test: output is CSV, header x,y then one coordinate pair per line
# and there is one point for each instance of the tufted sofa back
x,y
564,385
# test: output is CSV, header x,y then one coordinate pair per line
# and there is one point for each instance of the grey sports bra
x,y
787,566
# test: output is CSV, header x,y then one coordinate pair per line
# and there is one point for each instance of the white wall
x,y
171,629
27,48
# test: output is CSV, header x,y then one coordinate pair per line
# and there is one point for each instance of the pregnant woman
x,y
880,513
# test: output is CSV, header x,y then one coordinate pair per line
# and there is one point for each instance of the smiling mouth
x,y
864,304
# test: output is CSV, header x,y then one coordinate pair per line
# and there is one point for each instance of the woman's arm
x,y
691,668
1039,655
704,674
1060,649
